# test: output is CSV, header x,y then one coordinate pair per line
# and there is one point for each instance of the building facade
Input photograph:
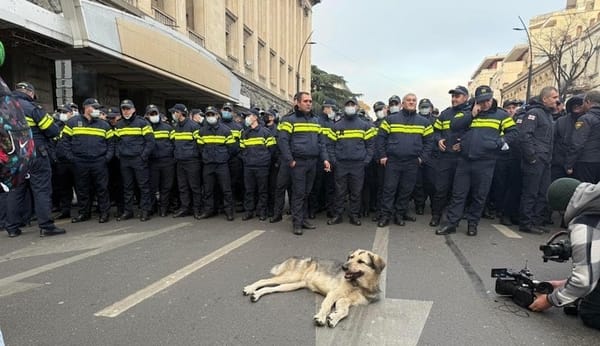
x,y
199,52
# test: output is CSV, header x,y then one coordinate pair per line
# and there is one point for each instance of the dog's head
x,y
364,267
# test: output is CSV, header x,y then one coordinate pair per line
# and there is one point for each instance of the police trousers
x,y
162,173
536,180
399,183
135,170
303,176
349,179
90,174
189,182
255,182
212,174
444,178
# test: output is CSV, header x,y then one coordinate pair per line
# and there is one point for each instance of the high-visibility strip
x,y
428,131
306,127
230,140
183,136
486,123
110,134
236,133
146,130
214,139
372,132
385,126
271,141
326,131
442,125
67,131
507,123
129,131
46,122
164,134
253,141
91,131
285,126
30,122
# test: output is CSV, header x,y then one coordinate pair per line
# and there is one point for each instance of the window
x,y
273,68
262,60
282,76
231,36
248,50
291,88
189,14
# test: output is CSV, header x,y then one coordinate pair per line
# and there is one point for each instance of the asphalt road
x,y
179,282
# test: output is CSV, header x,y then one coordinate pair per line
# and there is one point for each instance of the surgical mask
x,y
350,110
226,115
248,121
63,117
380,114
331,115
199,119
127,116
95,113
75,113
394,109
425,111
211,120
155,119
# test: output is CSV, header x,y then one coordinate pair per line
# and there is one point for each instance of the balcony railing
x,y
163,17
197,38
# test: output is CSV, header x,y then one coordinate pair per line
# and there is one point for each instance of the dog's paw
x,y
319,321
247,291
331,322
254,298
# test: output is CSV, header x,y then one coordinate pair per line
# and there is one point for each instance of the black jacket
x,y
163,141
135,138
442,130
87,140
484,134
41,123
301,137
217,143
354,140
185,140
585,143
536,133
563,132
257,146
405,135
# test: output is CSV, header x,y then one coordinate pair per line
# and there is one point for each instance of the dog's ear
x,y
378,263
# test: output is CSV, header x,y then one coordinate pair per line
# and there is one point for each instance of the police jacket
x,y
536,132
88,140
135,138
354,140
405,135
485,134
563,132
185,140
236,128
442,129
61,155
585,143
41,123
163,141
256,146
217,143
300,137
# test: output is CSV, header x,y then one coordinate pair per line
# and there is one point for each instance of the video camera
x,y
559,251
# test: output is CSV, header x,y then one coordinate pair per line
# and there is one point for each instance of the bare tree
x,y
569,49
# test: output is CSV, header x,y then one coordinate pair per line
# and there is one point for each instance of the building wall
x,y
484,77
542,77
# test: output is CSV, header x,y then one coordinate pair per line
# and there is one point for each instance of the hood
x,y
585,200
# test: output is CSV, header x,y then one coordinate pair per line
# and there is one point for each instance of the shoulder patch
x,y
519,121
530,117
578,125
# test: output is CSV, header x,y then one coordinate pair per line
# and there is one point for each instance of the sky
x,y
393,47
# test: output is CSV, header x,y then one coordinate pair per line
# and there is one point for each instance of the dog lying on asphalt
x,y
355,282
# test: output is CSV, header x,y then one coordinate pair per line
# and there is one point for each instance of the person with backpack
x,y
44,130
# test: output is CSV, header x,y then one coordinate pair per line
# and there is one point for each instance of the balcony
x,y
162,17
197,38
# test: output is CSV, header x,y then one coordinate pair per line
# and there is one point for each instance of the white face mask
x,y
63,117
394,109
380,114
155,119
425,111
127,116
350,110
331,115
95,113
75,113
248,121
211,120
198,118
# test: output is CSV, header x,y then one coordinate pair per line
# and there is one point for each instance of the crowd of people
x,y
474,159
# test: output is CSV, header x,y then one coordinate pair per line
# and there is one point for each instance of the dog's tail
x,y
290,264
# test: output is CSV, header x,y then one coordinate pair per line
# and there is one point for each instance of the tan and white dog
x,y
355,282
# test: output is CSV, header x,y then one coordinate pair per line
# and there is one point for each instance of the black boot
x,y
472,230
435,221
447,229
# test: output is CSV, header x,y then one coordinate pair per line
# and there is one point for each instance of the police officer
x,y
301,144
536,137
323,191
89,144
236,167
162,162
270,122
197,115
283,180
563,133
352,149
44,130
478,148
135,142
374,177
404,143
217,145
424,187
257,145
445,145
583,160
62,170
115,181
189,164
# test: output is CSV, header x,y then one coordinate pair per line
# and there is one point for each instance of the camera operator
x,y
582,204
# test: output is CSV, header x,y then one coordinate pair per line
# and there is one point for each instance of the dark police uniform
x,y
480,145
563,134
89,145
446,161
583,157
273,170
536,137
236,168
424,186
374,178
162,165
217,145
283,181
404,138
300,139
323,190
135,142
189,167
64,178
351,151
43,129
257,146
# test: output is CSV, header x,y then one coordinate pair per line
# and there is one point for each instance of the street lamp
x,y
530,72
306,42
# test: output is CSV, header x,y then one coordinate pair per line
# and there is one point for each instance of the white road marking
x,y
386,322
10,284
509,233
121,306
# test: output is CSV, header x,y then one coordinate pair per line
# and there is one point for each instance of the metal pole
x,y
530,72
299,60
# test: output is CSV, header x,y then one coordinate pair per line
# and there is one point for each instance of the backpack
x,y
17,148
